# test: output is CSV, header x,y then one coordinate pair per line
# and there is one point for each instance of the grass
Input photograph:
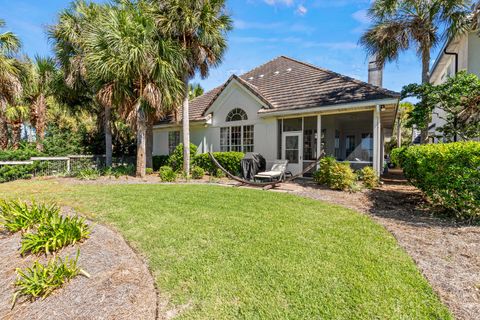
x,y
237,253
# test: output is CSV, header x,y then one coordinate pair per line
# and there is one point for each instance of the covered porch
x,y
356,136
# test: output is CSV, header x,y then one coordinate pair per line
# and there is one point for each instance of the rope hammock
x,y
265,185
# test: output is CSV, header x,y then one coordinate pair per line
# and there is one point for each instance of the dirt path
x,y
447,253
120,286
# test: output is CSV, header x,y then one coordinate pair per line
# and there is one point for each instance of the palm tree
x,y
399,25
10,85
67,35
194,90
42,76
200,26
124,48
16,115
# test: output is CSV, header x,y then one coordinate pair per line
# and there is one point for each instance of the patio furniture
x,y
276,173
251,164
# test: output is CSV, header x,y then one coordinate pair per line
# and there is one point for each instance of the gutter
x,y
452,54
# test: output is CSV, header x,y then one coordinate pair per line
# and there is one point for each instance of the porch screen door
x,y
292,151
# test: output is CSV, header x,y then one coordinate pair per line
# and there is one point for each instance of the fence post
x,y
68,165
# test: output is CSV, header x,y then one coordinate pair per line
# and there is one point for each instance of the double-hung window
x,y
173,140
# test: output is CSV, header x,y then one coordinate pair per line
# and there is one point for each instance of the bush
x,y
19,216
197,173
229,160
87,174
396,155
159,161
324,173
449,174
41,280
175,161
148,170
54,233
369,177
336,175
167,174
24,153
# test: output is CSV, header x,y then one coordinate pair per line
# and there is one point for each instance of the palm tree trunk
x,y
16,134
141,144
425,79
399,133
108,136
186,129
40,121
3,125
149,142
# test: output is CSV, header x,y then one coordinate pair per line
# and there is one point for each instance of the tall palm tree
x,y
200,26
399,25
16,115
67,35
124,47
10,85
42,76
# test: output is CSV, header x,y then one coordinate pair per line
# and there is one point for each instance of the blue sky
x,y
321,32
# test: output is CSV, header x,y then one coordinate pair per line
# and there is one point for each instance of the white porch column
x,y
319,137
377,161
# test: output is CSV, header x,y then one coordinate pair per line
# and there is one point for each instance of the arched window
x,y
237,114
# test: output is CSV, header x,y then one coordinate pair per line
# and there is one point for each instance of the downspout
x,y
456,71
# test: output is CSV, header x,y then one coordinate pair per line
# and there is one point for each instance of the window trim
x,y
242,138
236,111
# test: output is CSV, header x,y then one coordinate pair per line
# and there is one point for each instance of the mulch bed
x,y
445,251
120,286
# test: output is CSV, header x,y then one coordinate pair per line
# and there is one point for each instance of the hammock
x,y
265,185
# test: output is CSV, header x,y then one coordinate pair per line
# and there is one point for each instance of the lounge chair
x,y
277,172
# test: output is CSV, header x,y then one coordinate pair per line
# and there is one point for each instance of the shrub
x,y
175,161
369,177
229,160
167,174
19,216
54,233
219,174
342,177
159,161
198,173
449,174
396,156
24,153
148,170
324,173
41,280
87,174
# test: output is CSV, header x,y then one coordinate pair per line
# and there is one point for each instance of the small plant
x,y
54,233
167,174
342,177
197,173
369,177
176,158
88,174
324,173
19,216
149,170
219,174
41,280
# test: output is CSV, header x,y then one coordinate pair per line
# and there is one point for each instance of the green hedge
x,y
19,154
229,160
159,161
176,158
449,174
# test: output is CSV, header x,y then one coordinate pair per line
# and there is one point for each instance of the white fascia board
x,y
332,109
226,92
196,123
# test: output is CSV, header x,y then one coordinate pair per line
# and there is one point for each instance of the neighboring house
x,y
458,54
278,109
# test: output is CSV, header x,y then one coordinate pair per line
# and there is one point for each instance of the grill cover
x,y
251,164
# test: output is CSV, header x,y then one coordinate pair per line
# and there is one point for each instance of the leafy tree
x,y
399,25
125,48
404,110
458,98
194,90
10,85
200,26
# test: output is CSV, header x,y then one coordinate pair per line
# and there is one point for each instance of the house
x,y
459,53
278,110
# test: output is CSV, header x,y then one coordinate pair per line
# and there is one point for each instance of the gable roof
x,y
285,84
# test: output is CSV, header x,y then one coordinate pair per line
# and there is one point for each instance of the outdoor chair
x,y
276,173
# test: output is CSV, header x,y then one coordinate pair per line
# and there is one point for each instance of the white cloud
x,y
276,2
276,26
345,45
301,10
361,16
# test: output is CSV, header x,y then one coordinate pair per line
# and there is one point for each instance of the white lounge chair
x,y
277,172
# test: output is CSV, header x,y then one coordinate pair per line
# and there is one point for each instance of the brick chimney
x,y
375,72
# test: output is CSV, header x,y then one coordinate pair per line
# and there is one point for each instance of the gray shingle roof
x,y
285,83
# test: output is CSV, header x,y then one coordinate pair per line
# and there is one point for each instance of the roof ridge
x,y
360,82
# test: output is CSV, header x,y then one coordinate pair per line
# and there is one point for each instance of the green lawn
x,y
237,253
